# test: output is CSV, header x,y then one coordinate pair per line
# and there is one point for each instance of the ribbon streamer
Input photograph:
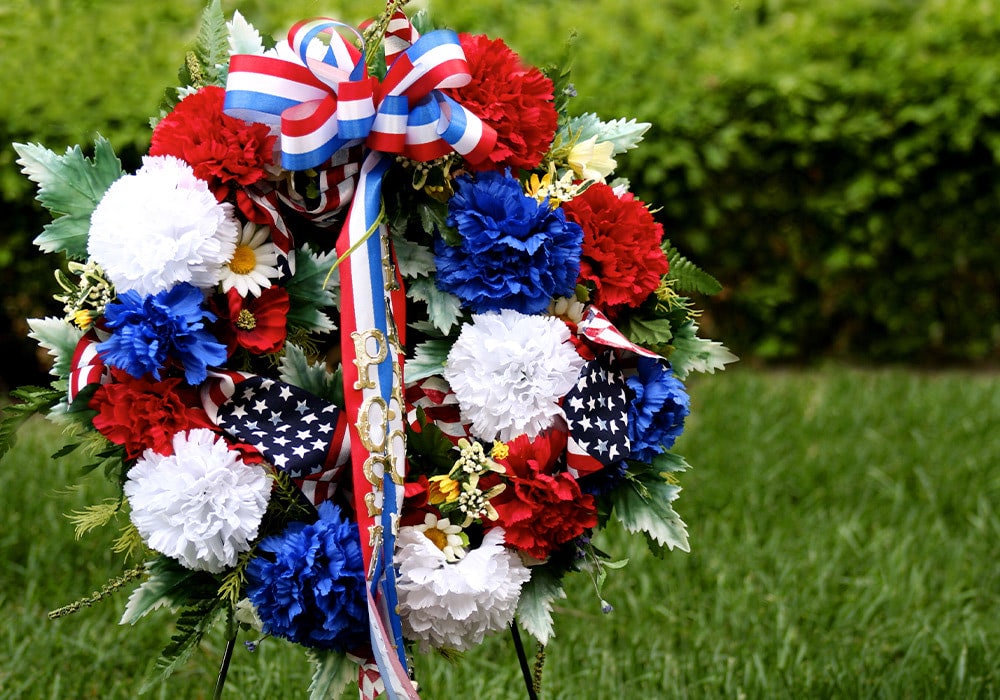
x,y
323,100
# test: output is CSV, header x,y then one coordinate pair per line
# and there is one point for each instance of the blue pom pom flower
x,y
515,252
148,331
309,585
656,414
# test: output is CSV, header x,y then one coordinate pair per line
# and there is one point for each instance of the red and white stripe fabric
x,y
87,366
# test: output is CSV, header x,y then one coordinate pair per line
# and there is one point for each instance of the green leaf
x,y
428,359
413,259
69,186
534,608
429,450
693,354
642,504
243,36
309,291
333,672
433,219
165,586
687,276
28,400
192,625
443,308
669,462
648,332
296,369
623,134
59,339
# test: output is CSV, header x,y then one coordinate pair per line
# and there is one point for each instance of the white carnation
x,y
455,605
160,227
509,370
202,505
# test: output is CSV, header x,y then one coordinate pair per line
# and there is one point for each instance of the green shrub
x,y
834,163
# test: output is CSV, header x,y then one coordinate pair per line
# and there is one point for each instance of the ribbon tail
x,y
372,370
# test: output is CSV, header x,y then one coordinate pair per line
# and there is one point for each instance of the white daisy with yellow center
x,y
447,537
254,263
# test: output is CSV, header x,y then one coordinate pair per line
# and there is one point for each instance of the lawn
x,y
844,544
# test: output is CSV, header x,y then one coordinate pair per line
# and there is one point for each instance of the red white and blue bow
x,y
324,100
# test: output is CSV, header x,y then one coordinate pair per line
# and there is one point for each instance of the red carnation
x,y
514,98
540,510
622,257
141,413
258,324
224,151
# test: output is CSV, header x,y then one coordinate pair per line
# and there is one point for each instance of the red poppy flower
x,y
540,510
224,151
145,414
258,324
622,258
514,98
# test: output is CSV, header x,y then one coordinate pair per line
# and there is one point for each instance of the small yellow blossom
x,y
442,489
499,450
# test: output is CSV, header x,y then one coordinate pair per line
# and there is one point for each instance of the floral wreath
x,y
370,343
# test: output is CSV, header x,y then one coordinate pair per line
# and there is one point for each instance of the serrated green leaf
x,y
623,134
28,400
643,505
332,673
687,276
192,625
693,354
164,587
243,36
428,359
70,187
413,259
310,290
296,369
430,451
434,220
648,332
669,462
534,608
443,308
59,339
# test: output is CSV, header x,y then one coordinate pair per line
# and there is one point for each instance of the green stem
x,y
224,669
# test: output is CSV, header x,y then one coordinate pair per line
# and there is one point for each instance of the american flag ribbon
x,y
87,366
296,431
598,329
596,410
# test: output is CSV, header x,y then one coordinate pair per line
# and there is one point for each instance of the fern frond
x,y
688,276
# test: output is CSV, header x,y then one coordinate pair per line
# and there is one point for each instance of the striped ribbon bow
x,y
324,101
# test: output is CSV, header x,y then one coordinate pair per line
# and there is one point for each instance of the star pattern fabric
x,y
596,415
296,431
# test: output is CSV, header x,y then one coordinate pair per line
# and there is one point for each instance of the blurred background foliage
x,y
833,162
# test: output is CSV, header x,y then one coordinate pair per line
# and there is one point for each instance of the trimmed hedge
x,y
834,163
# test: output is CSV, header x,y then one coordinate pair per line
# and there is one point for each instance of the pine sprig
x,y
687,276
207,61
112,586
94,516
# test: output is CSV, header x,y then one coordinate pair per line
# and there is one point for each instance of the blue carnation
x,y
147,331
656,414
308,583
515,252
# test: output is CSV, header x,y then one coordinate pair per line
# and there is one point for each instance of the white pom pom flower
x,y
455,605
509,370
162,226
201,505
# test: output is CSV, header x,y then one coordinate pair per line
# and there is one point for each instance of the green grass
x,y
844,528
